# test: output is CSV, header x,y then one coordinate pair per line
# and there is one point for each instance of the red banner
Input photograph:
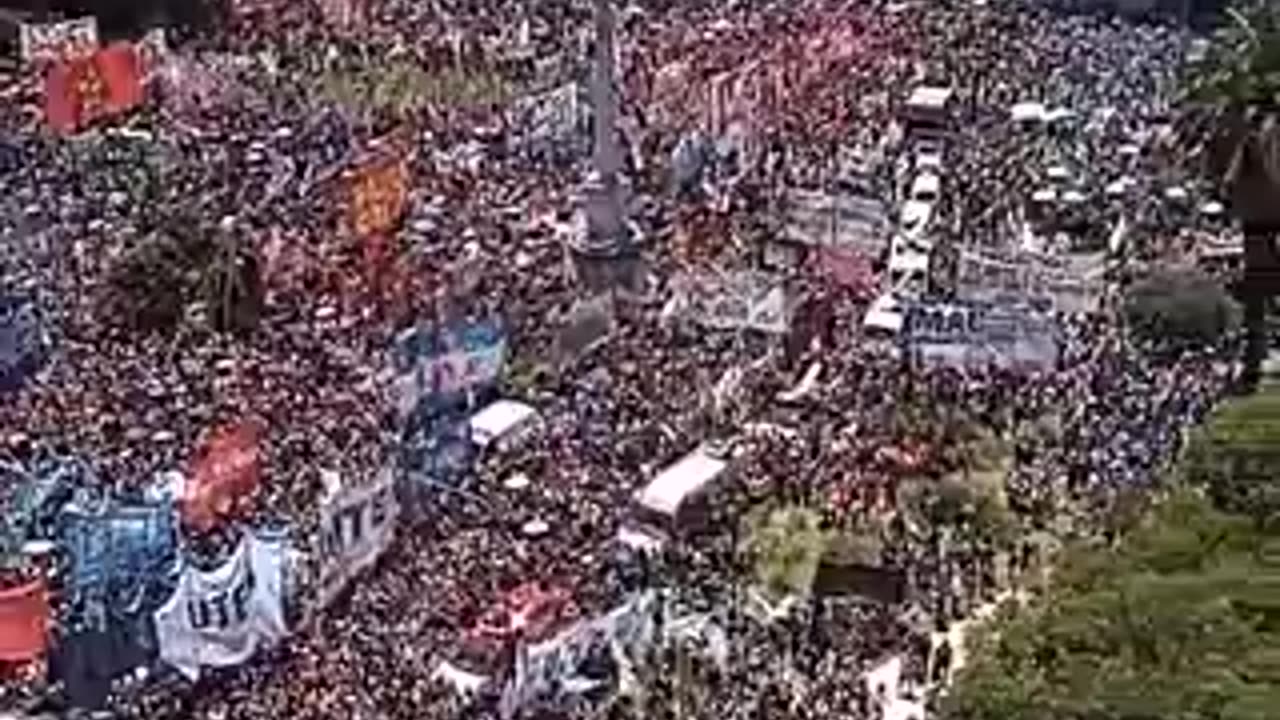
x,y
24,615
378,194
225,475
81,90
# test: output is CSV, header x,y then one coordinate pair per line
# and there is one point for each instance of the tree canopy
x,y
1181,620
1176,308
1236,456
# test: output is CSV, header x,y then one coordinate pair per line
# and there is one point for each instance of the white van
x,y
502,423
676,500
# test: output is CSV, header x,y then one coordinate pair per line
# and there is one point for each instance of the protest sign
x,y
975,335
55,42
220,618
224,475
734,301
24,616
357,524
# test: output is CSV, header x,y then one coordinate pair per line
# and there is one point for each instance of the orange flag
x,y
225,474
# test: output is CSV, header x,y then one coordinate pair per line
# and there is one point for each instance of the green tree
x,y
1234,95
1236,456
1180,620
786,545
1172,309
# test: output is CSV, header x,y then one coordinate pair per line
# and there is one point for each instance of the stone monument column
x,y
605,254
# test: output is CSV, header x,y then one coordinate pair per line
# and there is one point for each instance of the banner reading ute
x,y
24,615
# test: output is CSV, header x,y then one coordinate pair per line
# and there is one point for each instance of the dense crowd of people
x,y
90,220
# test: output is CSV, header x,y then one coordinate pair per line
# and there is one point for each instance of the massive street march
x,y
311,406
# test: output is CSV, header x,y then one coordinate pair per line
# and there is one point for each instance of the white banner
x,y
552,115
53,42
1071,288
356,525
220,618
741,300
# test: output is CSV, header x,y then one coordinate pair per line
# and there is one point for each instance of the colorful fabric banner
x,y
24,616
118,551
378,194
225,474
220,618
357,524
446,363
81,90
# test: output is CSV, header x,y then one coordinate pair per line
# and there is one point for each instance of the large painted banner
x,y
117,551
446,362
21,342
220,618
24,617
80,90
123,560
224,475
56,42
969,335
734,301
357,524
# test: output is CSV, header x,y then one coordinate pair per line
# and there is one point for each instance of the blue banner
x,y
438,452
123,565
21,348
121,551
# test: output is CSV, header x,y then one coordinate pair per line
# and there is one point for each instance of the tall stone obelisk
x,y
605,253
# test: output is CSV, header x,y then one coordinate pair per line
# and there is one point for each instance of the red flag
x,y
24,615
82,89
121,75
61,107
224,475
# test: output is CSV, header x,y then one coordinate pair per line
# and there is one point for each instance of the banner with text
x,y
734,301
220,618
56,42
977,336
357,524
